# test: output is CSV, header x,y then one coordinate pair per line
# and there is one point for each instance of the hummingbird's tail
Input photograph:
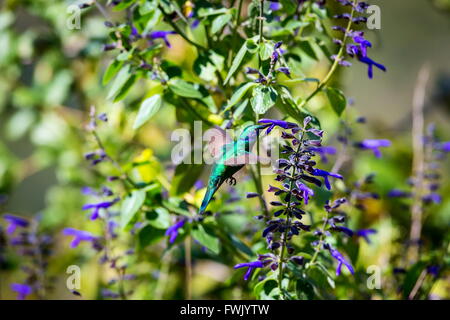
x,y
207,199
213,185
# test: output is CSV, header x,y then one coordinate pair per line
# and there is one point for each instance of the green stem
x,y
179,31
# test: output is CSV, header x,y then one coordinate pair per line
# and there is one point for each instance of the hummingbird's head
x,y
250,134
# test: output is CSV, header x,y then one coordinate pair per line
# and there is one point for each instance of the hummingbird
x,y
232,158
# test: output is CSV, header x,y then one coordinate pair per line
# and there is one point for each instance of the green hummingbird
x,y
232,158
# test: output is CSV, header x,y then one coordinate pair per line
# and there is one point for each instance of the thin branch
x,y
418,162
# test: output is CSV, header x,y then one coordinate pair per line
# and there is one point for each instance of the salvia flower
x,y
374,145
173,231
96,207
161,35
325,174
274,6
277,123
341,261
80,236
14,222
364,233
264,260
324,151
23,290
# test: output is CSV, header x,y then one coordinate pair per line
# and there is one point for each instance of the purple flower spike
x,y
251,266
341,261
79,236
173,231
374,145
325,174
271,123
23,290
161,35
365,234
97,206
14,223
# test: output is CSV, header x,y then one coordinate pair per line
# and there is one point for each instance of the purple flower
x,y
365,234
198,185
274,6
103,117
305,191
395,193
325,174
359,50
23,290
172,231
445,146
323,151
432,198
374,145
345,230
97,206
251,266
271,123
370,63
195,23
341,261
14,223
284,70
161,35
79,236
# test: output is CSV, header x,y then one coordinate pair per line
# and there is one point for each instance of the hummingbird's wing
x,y
217,139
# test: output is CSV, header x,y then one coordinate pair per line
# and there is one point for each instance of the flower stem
x,y
179,31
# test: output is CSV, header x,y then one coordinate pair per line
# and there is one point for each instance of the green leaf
x,y
299,80
206,65
265,50
206,238
149,235
185,177
308,49
305,289
119,82
337,100
125,88
205,12
236,61
266,289
290,107
148,108
130,206
123,5
239,94
159,218
185,89
219,22
111,71
263,99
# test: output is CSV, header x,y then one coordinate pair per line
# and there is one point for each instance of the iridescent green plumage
x,y
233,158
